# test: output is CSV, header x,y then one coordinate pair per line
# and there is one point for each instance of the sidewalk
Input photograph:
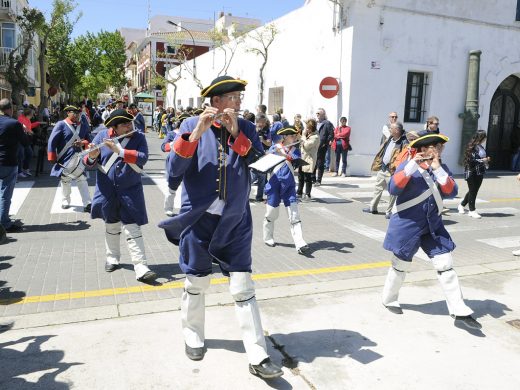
x,y
342,339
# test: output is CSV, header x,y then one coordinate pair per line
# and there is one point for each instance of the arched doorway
x,y
503,121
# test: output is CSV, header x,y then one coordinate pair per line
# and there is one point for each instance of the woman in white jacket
x,y
310,141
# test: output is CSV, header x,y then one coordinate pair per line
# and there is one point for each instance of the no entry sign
x,y
329,87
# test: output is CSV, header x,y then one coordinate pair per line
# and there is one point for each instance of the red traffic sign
x,y
329,87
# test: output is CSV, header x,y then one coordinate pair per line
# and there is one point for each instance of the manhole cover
x,y
514,323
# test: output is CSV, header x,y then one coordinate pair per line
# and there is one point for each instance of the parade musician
x,y
214,224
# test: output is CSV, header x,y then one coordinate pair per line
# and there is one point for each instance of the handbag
x,y
349,147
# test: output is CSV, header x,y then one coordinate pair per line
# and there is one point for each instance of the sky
x,y
111,15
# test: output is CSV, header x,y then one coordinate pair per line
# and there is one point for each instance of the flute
x,y
99,146
221,114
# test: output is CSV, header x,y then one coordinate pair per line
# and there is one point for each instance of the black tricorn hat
x,y
426,139
182,116
287,131
222,85
117,117
198,111
71,108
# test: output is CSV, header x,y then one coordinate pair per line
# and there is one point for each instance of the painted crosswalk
x,y
334,191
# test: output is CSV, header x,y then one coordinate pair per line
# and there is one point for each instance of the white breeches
x,y
394,281
66,189
450,285
169,199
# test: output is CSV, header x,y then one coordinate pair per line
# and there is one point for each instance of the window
x,y
275,101
170,49
8,35
415,97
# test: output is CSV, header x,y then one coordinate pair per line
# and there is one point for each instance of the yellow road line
x,y
178,285
504,200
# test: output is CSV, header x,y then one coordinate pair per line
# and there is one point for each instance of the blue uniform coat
x,y
420,225
281,185
232,233
119,194
60,135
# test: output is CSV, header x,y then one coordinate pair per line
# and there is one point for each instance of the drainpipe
x,y
470,115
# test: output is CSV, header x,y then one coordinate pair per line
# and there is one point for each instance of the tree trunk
x,y
43,79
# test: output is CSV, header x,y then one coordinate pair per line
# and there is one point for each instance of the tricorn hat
x,y
222,85
117,117
71,108
427,138
287,131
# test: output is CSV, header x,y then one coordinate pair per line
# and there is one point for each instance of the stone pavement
x,y
327,335
53,289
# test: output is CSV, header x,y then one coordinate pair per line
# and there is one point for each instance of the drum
x,y
75,167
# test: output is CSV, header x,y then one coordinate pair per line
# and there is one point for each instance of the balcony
x,y
4,56
8,7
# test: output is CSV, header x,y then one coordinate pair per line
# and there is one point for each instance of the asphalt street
x,y
65,320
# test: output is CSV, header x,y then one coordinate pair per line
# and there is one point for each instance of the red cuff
x,y
448,187
400,179
51,156
86,161
130,156
167,147
241,145
183,147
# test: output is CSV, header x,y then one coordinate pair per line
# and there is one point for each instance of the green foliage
x,y
56,37
99,62
16,74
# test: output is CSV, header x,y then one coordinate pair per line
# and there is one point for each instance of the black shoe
x,y
468,322
303,250
87,208
266,369
394,309
317,184
65,206
369,210
388,215
14,228
111,267
194,353
149,276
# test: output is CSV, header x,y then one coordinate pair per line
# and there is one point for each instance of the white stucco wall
x,y
401,36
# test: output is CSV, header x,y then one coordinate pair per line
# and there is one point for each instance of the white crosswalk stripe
x,y
21,190
161,182
76,204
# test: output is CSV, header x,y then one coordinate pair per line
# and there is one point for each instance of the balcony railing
x,y
8,6
4,56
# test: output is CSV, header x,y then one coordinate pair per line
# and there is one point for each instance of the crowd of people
x,y
216,147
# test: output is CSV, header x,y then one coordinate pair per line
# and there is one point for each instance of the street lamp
x,y
193,40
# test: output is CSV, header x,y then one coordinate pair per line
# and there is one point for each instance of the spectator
x,y
11,136
310,141
384,165
475,164
341,145
26,152
392,118
275,127
432,125
326,134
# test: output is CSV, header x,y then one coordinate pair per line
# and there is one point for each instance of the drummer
x,y
66,141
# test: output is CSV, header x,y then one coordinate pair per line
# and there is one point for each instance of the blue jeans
x,y
262,179
25,154
341,153
7,182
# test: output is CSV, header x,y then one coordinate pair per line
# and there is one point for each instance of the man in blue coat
x,y
212,154
119,195
67,139
420,183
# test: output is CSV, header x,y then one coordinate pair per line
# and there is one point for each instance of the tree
x,y
99,62
16,74
227,44
55,39
262,38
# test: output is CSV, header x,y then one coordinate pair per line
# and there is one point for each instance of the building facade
x,y
10,36
411,57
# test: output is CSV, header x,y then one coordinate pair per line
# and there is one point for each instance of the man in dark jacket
x,y
326,133
11,136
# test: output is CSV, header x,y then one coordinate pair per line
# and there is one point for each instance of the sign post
x,y
329,87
